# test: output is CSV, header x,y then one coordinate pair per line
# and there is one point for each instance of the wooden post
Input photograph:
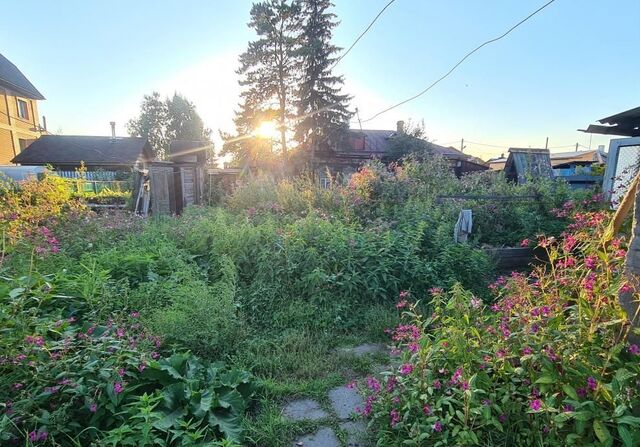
x,y
629,298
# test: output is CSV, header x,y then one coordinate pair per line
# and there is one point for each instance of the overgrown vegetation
x,y
546,364
135,317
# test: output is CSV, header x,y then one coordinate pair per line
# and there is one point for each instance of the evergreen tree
x,y
268,70
321,105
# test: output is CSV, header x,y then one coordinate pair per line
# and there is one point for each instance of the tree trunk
x,y
629,299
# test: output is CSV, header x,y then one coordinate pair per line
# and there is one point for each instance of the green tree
x,y
322,107
161,121
268,70
152,123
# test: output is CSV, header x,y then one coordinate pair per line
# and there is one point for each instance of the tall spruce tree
x,y
322,106
269,70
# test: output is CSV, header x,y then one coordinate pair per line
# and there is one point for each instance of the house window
x,y
24,143
23,109
325,182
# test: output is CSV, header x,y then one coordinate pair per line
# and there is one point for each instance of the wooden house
x,y
19,122
367,144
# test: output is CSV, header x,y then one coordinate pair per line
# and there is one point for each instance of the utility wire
x,y
495,39
361,35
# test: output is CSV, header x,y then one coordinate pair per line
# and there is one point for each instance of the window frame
x,y
26,109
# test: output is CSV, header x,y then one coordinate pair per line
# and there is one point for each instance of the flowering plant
x,y
547,364
66,375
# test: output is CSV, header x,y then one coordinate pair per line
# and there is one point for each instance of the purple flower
x,y
527,350
118,387
592,383
536,404
93,407
395,417
436,384
581,392
406,369
426,409
437,426
373,384
33,436
567,408
634,349
502,418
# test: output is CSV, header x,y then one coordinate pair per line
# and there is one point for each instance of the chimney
x,y
502,155
44,122
113,129
400,127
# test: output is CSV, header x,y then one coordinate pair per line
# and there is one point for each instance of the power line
x,y
361,35
495,39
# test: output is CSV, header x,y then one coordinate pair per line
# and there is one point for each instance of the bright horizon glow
x,y
267,130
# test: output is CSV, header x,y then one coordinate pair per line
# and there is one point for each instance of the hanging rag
x,y
462,230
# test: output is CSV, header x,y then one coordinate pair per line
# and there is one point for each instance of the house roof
x,y
180,148
92,150
625,123
13,78
379,142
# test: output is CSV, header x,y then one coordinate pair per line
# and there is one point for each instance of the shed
x,y
524,162
68,152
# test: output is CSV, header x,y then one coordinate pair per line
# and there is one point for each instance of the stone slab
x,y
344,401
304,410
356,433
324,437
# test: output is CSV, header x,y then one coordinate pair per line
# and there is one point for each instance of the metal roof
x,y
625,123
13,78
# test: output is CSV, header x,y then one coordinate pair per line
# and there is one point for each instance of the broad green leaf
x,y
546,379
230,425
626,436
570,391
601,431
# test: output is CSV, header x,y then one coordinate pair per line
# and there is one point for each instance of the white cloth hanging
x,y
463,227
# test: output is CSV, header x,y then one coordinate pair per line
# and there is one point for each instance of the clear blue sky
x,y
575,62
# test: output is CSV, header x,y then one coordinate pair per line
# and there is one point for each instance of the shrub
x,y
547,364
203,318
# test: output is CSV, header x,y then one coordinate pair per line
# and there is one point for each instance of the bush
x,y
203,318
547,364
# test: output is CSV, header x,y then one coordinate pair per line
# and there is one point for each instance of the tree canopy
x,y
163,120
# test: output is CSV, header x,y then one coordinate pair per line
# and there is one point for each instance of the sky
x,y
570,65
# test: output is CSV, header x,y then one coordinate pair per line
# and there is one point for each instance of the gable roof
x,y
93,151
379,141
13,78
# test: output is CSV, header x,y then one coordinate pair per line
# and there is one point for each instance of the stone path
x,y
343,400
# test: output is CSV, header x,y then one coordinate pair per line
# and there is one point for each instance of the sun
x,y
267,129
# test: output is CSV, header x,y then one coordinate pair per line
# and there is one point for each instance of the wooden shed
x,y
169,186
528,162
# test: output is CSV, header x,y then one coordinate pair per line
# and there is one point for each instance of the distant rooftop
x,y
13,79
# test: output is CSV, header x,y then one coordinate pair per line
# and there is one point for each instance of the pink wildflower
x,y
401,304
592,383
437,426
395,417
118,387
426,409
406,369
524,243
634,349
536,404
93,407
626,288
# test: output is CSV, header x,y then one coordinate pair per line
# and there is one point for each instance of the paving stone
x,y
356,433
304,410
364,349
344,401
324,437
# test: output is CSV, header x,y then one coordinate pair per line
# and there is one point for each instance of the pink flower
x,y
155,355
527,350
401,304
524,243
436,384
373,384
404,294
395,417
120,332
592,383
17,386
437,426
142,366
626,288
406,369
118,387
413,347
135,315
93,407
634,349
590,262
536,404
426,409
121,372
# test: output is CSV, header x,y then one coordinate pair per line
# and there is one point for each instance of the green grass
x,y
298,364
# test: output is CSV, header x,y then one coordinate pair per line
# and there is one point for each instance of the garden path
x,y
343,402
